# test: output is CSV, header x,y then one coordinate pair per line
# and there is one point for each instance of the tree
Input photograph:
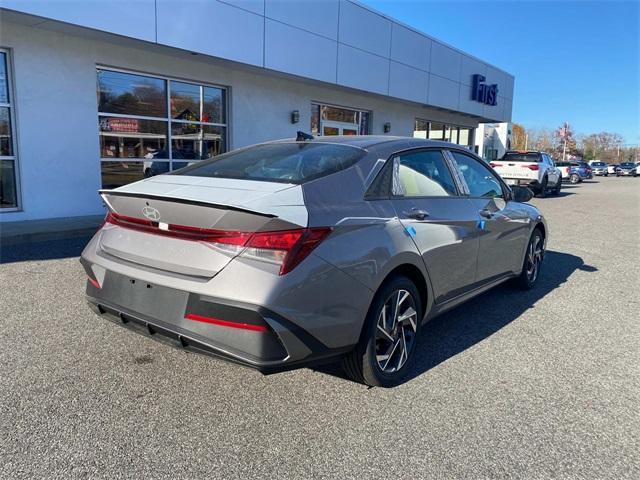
x,y
518,137
541,139
604,146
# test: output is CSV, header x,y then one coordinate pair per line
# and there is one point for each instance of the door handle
x,y
486,213
417,213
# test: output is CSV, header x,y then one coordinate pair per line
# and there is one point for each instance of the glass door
x,y
339,128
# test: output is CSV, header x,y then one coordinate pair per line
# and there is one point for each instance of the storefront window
x,y
436,131
330,120
136,127
8,159
440,131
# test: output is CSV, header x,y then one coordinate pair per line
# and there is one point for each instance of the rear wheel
x,y
574,178
385,353
532,261
558,187
542,190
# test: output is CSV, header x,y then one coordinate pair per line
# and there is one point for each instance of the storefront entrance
x,y
331,120
339,128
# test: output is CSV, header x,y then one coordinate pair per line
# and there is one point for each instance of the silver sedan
x,y
296,252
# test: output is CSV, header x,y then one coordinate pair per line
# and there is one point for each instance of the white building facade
x,y
99,93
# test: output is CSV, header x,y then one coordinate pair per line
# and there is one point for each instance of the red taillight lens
x,y
180,231
286,247
532,167
494,165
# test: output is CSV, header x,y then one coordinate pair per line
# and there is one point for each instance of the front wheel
x,y
385,353
574,178
532,261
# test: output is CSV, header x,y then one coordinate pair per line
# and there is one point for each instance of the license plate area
x,y
155,301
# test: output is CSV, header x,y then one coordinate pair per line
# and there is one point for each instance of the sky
x,y
574,61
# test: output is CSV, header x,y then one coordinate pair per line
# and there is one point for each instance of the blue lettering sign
x,y
483,93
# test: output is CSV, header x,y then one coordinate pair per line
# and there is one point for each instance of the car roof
x,y
366,141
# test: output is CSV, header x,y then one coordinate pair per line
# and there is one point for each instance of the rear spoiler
x,y
104,193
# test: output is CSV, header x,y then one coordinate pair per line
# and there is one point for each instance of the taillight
x,y
532,167
286,248
494,165
179,231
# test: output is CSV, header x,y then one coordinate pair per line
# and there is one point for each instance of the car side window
x,y
479,179
422,174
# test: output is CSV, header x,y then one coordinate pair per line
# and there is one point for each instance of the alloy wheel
x,y
396,331
534,258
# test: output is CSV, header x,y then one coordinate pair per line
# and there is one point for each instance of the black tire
x,y
363,363
606,174
531,272
542,189
558,187
574,178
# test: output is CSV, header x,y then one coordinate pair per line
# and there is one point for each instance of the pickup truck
x,y
533,169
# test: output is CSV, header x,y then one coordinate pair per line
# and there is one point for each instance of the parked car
x,y
611,168
599,168
569,172
535,170
626,169
290,253
582,170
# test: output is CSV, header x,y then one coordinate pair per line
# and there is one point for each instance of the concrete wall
x,y
336,41
57,117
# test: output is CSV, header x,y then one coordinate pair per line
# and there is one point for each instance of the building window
x,y
331,120
152,125
8,157
440,131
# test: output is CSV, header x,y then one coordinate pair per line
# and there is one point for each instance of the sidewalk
x,y
28,231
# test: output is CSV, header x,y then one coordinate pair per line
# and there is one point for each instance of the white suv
x,y
535,170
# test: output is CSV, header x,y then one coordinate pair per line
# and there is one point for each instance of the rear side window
x,y
278,162
423,174
522,157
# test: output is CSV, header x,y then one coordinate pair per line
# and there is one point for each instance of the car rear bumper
x,y
243,314
527,182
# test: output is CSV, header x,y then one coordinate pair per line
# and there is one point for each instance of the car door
x,y
504,224
553,173
442,221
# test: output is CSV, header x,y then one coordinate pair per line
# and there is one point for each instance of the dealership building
x,y
99,93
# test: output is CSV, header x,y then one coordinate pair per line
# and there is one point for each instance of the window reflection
x,y
213,107
6,144
196,142
4,81
130,94
116,174
8,197
132,138
126,100
185,101
441,131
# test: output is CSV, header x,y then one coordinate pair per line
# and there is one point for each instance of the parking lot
x,y
541,384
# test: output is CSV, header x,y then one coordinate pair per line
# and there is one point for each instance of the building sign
x,y
483,93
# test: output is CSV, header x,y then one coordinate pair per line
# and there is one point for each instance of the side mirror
x,y
521,194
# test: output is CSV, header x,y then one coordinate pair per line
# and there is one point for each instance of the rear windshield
x,y
522,157
278,162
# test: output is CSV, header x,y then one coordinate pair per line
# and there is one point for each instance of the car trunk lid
x,y
193,225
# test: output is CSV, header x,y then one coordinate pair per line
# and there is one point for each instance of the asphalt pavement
x,y
542,384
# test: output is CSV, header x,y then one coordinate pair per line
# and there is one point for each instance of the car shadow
x,y
470,323
46,250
